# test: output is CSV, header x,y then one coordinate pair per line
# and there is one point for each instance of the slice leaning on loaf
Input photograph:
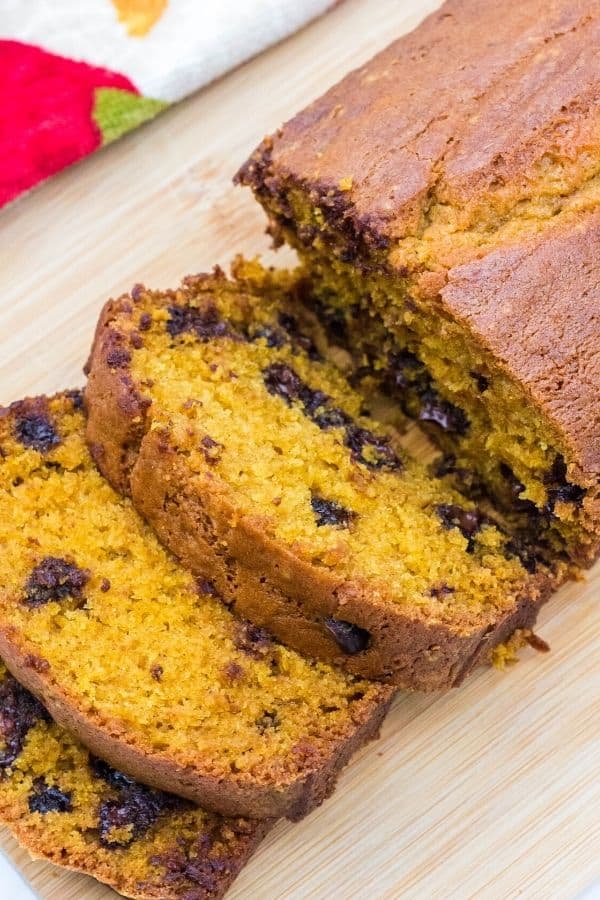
x,y
257,463
139,659
444,199
70,808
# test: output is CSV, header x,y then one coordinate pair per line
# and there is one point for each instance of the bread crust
x,y
86,864
261,578
458,112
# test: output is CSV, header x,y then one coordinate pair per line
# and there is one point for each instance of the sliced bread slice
x,y
257,463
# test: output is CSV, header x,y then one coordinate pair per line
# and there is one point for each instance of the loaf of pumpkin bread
x,y
444,199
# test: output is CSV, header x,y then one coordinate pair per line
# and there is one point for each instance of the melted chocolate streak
x,y
282,381
19,712
407,376
134,808
206,323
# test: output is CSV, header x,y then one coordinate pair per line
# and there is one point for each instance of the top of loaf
x,y
475,130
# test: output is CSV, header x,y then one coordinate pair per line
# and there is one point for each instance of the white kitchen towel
x,y
168,48
76,74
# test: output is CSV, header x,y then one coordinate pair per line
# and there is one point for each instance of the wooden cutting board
x,y
489,791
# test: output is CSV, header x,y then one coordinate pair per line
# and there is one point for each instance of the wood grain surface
x,y
489,791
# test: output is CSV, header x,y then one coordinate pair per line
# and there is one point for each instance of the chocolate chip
x,y
118,358
329,512
482,381
332,319
558,471
211,450
205,322
468,521
128,816
135,808
466,480
35,430
290,325
206,587
233,671
252,639
76,398
367,448
565,493
113,777
351,638
349,254
53,580
524,552
404,370
441,412
19,712
561,490
371,450
441,590
330,417
274,337
357,376
198,865
281,381
444,465
268,721
45,798
516,488
157,672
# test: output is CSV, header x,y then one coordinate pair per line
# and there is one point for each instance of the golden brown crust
x,y
125,418
468,111
87,864
263,579
270,586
